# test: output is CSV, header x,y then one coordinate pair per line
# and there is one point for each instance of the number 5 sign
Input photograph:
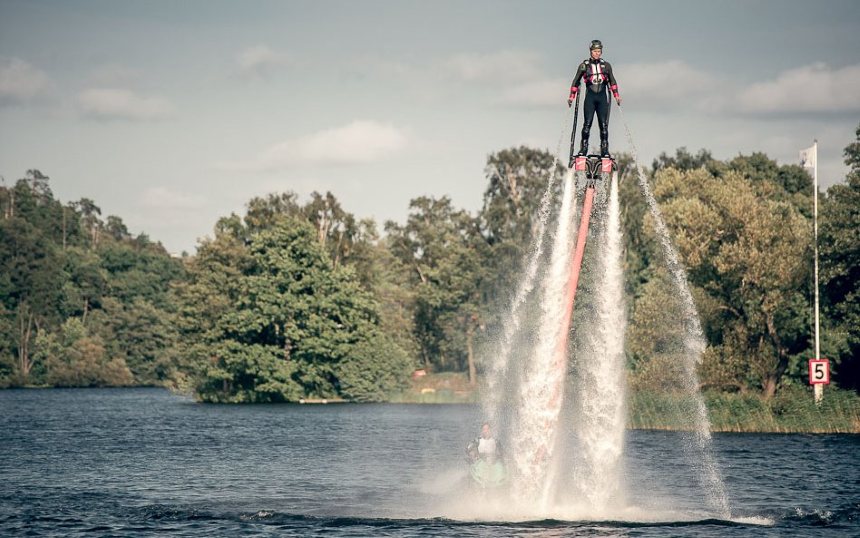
x,y
819,372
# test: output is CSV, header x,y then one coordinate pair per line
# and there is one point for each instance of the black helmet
x,y
596,44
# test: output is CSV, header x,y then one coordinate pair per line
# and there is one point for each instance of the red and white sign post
x,y
819,375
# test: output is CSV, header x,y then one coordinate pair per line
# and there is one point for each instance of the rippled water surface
x,y
145,462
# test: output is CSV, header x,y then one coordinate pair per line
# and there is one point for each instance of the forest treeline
x,y
294,300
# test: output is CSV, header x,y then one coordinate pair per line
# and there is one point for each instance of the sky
x,y
173,114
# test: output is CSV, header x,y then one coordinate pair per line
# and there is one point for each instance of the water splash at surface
x,y
601,380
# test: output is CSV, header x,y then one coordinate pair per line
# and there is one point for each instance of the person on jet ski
x,y
599,81
486,469
486,447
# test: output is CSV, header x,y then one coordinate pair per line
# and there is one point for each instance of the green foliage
x,y
270,319
746,247
144,334
654,346
442,247
375,367
61,266
792,410
139,270
516,181
75,358
685,161
839,244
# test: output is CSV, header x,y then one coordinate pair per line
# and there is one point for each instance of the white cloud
x,y
663,82
167,198
543,92
361,141
504,66
811,88
259,60
20,81
368,64
114,75
122,104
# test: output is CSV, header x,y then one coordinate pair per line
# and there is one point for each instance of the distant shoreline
x,y
789,413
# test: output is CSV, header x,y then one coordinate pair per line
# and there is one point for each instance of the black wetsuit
x,y
599,81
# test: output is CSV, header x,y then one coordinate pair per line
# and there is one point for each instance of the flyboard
x,y
595,168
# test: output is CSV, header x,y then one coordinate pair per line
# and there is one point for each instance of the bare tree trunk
x,y
64,227
515,193
86,309
24,364
322,231
426,359
470,351
420,274
337,249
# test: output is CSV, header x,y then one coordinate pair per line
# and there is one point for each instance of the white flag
x,y
808,157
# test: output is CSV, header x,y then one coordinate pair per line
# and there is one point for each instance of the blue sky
x,y
172,114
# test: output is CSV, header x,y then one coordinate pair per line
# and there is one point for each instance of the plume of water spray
x,y
694,344
498,363
540,393
601,380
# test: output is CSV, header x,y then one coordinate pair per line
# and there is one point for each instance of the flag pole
x,y
819,388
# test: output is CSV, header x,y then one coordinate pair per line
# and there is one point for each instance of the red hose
x,y
573,279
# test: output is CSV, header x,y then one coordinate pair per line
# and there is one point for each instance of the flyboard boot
x,y
579,162
606,160
583,151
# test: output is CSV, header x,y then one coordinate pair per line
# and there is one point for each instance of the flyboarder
x,y
599,81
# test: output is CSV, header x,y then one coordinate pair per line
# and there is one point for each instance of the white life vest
x,y
486,447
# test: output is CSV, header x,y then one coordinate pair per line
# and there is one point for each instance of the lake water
x,y
132,462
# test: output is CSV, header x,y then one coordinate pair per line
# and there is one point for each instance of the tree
x,y
116,228
749,253
50,273
75,358
85,282
272,320
347,240
442,248
137,268
144,335
839,247
517,179
263,212
336,229
685,161
31,280
90,220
